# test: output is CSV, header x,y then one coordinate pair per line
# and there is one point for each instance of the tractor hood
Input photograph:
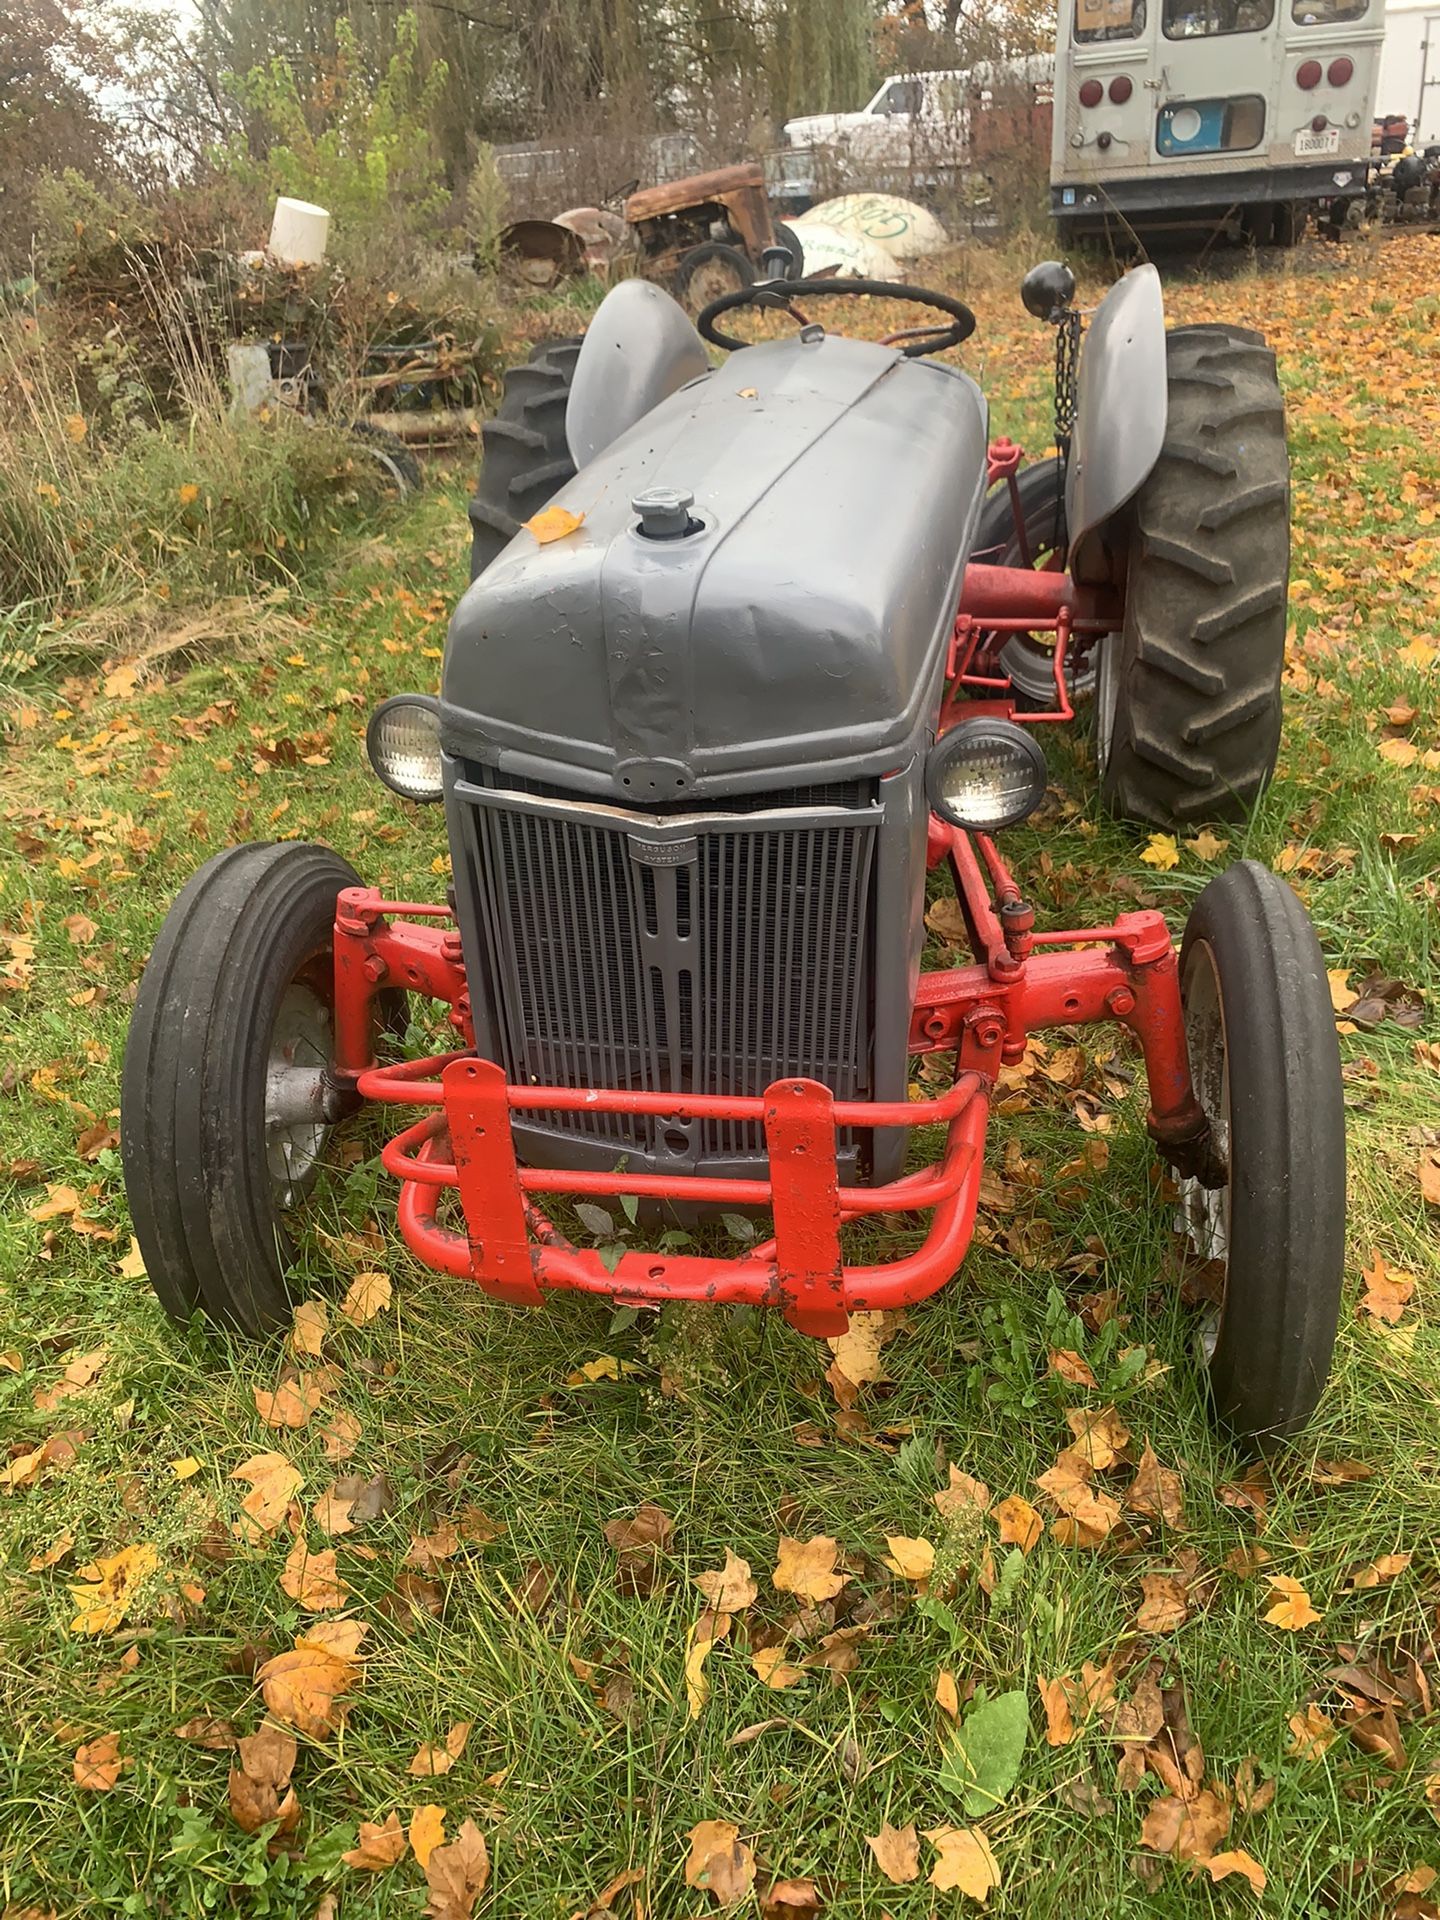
x,y
798,629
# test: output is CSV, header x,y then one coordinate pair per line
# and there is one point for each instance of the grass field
x,y
1305,1744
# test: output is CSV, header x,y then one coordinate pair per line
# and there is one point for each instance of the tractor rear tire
x,y
525,457
1188,697
238,987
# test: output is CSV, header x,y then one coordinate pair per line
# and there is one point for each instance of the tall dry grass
x,y
105,501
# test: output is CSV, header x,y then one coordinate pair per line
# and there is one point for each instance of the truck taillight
x,y
1342,72
1091,93
1121,88
1307,74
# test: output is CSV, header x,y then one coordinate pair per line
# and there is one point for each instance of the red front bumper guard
x,y
516,1254
981,1013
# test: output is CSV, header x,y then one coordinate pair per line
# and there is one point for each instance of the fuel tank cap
x,y
664,513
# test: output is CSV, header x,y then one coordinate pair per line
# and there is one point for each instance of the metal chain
x,y
1067,354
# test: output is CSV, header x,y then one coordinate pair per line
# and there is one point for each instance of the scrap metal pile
x,y
710,234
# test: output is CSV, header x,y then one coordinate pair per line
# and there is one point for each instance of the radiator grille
x,y
781,964
742,960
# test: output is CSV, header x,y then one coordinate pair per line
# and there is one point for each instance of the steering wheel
x,y
783,294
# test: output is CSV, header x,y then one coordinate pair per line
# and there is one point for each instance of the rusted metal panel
x,y
675,196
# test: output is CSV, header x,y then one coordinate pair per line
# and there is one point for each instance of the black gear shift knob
x,y
1048,289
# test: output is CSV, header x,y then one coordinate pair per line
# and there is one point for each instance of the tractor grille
x,y
712,962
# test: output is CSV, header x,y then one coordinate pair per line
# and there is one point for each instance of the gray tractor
x,y
756,652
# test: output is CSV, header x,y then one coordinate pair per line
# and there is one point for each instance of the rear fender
x,y
1123,403
639,348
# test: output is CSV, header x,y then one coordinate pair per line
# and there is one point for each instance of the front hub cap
x,y
299,1093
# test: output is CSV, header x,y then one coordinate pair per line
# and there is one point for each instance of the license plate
x,y
1309,143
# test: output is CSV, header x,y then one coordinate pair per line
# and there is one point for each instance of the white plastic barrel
x,y
298,233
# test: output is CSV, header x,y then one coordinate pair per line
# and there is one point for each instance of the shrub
x,y
486,201
75,218
160,511
368,157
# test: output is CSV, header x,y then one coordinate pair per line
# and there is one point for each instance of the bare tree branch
x,y
458,13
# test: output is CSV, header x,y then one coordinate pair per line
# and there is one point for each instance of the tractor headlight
x,y
985,774
403,742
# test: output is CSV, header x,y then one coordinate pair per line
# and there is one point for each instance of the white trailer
x,y
1410,69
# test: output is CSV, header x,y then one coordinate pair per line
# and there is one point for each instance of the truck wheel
x,y
525,458
1187,706
1265,1062
707,272
1291,218
225,1104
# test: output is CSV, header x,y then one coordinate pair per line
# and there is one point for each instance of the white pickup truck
x,y
915,133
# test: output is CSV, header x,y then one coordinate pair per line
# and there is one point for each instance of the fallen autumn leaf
x,y
306,1687
431,1760
897,1852
720,1863
106,1587
456,1875
260,1789
98,1764
807,1568
427,1831
1292,1610
965,1862
378,1846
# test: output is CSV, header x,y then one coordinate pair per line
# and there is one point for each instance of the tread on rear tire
x,y
525,457
1197,668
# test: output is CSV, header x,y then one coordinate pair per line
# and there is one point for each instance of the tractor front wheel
x,y
1187,699
1265,1062
227,1100
710,270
